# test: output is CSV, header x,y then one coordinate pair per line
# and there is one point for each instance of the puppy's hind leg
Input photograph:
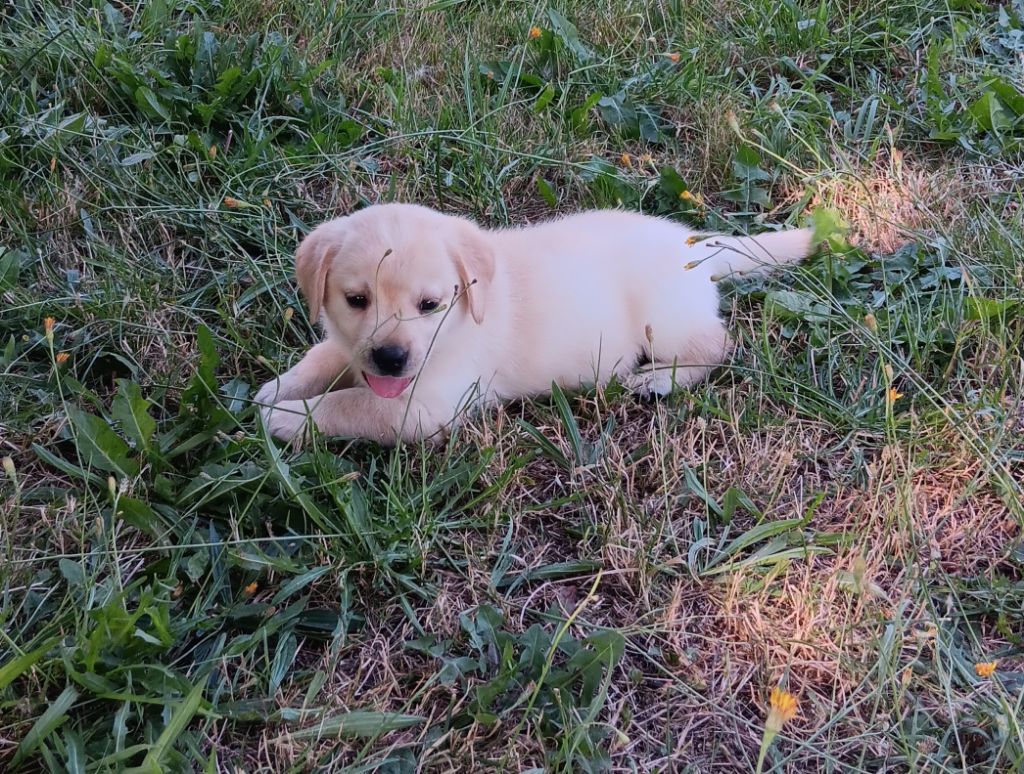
x,y
679,362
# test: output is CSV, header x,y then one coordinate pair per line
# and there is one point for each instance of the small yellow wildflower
x,y
288,312
673,57
535,32
782,708
231,202
686,196
53,163
213,151
626,160
48,328
871,322
62,357
691,241
250,589
894,395
985,668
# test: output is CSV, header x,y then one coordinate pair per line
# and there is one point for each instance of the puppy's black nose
x,y
390,360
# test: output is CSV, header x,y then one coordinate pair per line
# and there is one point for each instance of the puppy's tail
x,y
730,255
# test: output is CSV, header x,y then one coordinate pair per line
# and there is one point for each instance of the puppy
x,y
426,314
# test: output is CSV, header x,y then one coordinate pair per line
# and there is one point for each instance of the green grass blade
x,y
46,723
570,424
358,723
19,665
180,718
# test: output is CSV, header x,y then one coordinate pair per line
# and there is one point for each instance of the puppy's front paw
x,y
269,393
289,421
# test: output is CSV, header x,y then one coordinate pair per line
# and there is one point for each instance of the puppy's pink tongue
x,y
387,386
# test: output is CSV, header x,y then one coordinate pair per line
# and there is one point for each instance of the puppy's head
x,y
392,283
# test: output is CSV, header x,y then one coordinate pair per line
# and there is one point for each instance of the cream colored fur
x,y
573,301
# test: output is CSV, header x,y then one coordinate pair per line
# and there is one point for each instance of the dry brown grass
x,y
898,198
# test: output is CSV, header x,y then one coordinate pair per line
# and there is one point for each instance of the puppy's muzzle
x,y
389,360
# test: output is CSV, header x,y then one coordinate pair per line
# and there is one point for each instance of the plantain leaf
x,y
99,446
569,35
131,410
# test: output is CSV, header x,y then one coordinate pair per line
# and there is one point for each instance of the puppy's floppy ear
x,y
474,260
312,260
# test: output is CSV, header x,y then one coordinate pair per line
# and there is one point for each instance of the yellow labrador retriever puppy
x,y
427,313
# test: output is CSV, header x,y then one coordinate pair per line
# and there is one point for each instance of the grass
x,y
579,583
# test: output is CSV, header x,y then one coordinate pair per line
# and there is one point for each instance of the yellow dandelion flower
x,y
893,395
986,668
673,57
691,241
626,160
250,589
686,196
48,328
783,708
231,202
62,357
535,32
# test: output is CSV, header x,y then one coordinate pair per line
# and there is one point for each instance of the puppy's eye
x,y
429,304
357,301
